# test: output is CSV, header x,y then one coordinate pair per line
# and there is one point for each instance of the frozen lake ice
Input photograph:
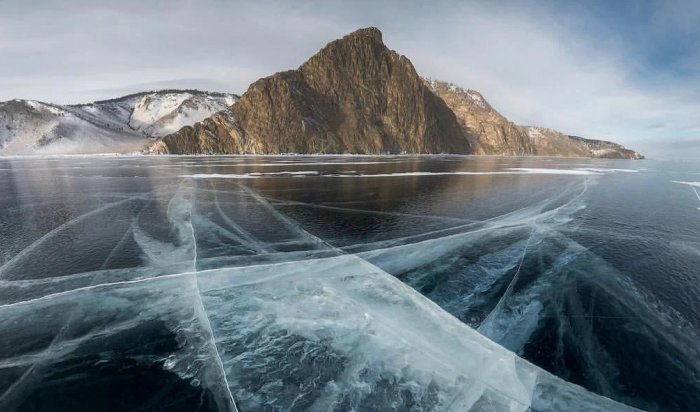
x,y
348,283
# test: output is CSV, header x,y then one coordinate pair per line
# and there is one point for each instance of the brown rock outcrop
x,y
353,96
357,96
490,132
548,142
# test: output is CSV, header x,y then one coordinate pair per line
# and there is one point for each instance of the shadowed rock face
x,y
353,96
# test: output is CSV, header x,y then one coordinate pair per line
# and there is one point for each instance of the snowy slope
x,y
161,114
30,127
120,125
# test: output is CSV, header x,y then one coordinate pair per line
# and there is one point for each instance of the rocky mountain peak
x,y
354,96
358,96
367,33
361,53
371,31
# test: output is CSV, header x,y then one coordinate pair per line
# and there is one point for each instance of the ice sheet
x,y
248,306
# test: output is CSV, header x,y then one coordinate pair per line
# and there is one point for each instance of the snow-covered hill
x,y
122,125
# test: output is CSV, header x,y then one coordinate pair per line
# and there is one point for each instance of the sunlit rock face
x,y
548,142
490,133
358,96
353,96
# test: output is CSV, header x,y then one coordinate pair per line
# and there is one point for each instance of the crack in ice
x,y
488,322
10,263
204,318
243,233
52,348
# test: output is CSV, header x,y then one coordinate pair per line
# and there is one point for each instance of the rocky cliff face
x,y
548,142
490,132
606,150
357,96
354,96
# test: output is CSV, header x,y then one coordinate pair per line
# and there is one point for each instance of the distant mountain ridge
x,y
357,96
493,134
354,96
125,124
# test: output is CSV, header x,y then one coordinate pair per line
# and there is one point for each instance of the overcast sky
x,y
628,71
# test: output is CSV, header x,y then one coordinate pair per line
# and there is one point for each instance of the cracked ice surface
x,y
211,294
341,334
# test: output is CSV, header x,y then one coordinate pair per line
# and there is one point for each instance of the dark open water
x,y
280,283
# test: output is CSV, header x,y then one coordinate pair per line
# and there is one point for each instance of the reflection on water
x,y
271,282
